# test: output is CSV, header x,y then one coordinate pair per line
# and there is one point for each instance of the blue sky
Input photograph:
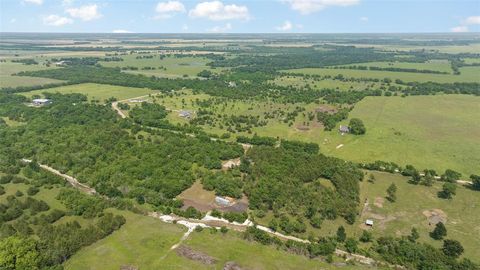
x,y
240,16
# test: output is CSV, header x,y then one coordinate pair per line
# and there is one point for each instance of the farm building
x,y
41,101
369,222
185,114
344,129
223,201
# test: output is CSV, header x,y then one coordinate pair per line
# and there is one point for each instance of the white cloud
x,y
55,20
217,11
310,6
35,2
286,26
459,29
13,20
364,19
168,9
221,29
472,20
121,31
85,13
185,27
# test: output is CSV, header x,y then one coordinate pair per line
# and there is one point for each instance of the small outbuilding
x,y
344,129
223,201
369,222
185,114
41,101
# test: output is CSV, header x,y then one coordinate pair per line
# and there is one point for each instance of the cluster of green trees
x,y
287,182
25,61
330,120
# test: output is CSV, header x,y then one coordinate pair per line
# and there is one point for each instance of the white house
x,y
369,222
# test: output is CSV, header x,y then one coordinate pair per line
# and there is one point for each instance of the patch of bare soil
x,y
379,202
128,267
435,216
302,128
326,109
191,254
232,266
228,164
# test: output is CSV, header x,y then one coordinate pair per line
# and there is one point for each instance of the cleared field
x,y
9,68
298,81
468,74
174,66
96,91
436,132
249,255
437,65
461,213
141,242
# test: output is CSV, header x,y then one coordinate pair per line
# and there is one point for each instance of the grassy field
x,y
96,91
462,211
468,74
175,67
298,81
9,68
249,255
141,242
437,65
436,132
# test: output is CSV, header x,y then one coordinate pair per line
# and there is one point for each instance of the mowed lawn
x,y
462,212
468,74
9,68
96,91
435,132
140,242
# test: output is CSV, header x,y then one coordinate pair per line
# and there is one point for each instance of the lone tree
x,y
413,235
448,190
439,232
341,235
391,193
357,127
452,248
371,178
475,181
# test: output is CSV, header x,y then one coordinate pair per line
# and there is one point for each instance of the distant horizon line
x,y
247,33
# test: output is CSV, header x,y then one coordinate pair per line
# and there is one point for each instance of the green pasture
x,y
437,132
249,255
468,74
9,68
437,65
298,81
175,66
94,91
400,217
141,242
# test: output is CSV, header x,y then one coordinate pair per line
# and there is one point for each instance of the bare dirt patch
x,y
232,266
197,197
302,128
128,267
326,109
228,164
435,216
198,256
379,202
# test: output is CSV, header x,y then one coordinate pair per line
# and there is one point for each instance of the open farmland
x,y
98,92
468,74
9,68
436,132
169,66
